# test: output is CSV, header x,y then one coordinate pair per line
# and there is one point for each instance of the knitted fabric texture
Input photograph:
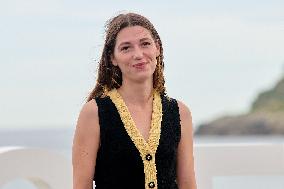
x,y
124,159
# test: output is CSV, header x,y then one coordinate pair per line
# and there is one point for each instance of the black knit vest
x,y
119,164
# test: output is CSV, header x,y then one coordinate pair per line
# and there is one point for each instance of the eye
x,y
146,43
125,48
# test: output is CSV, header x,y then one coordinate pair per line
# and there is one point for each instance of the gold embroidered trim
x,y
145,149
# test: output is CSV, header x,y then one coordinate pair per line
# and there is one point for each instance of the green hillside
x,y
270,100
266,117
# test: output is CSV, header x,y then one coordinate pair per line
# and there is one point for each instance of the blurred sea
x,y
60,140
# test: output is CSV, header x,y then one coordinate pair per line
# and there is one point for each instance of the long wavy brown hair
x,y
110,76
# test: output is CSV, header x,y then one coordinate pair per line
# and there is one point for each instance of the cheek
x,y
152,56
123,61
124,66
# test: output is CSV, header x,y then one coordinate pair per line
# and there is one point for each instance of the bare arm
x,y
85,146
185,159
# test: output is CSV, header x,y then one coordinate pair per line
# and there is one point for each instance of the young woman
x,y
130,134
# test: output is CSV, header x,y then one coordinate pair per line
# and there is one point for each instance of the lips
x,y
139,65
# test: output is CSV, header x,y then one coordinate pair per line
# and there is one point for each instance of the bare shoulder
x,y
86,137
89,109
88,118
184,111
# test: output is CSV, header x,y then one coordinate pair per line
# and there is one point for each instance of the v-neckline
x,y
134,123
130,125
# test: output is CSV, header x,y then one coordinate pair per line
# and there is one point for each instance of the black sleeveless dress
x,y
119,164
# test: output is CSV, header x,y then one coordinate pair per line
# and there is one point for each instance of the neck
x,y
137,93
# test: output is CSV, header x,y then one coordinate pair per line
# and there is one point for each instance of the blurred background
x,y
223,59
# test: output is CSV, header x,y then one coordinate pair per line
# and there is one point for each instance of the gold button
x,y
151,185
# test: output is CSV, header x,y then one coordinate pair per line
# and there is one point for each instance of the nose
x,y
138,53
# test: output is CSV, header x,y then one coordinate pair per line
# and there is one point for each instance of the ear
x,y
113,61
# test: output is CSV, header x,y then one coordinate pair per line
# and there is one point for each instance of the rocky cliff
x,y
266,117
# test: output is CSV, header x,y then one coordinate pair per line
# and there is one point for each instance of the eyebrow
x,y
128,43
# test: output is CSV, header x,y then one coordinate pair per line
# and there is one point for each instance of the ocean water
x,y
60,140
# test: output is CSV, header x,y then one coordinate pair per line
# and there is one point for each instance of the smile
x,y
140,65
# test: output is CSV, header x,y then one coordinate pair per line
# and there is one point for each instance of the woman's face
x,y
135,53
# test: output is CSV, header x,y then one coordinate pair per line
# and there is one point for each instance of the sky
x,y
218,55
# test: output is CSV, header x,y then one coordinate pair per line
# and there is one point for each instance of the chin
x,y
143,78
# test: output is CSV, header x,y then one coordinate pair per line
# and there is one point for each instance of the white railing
x,y
45,169
236,159
50,170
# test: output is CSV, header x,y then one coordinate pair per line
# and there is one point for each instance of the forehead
x,y
132,33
